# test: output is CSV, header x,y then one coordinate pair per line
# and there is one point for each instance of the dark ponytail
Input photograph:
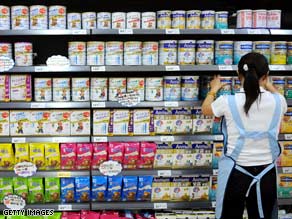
x,y
252,67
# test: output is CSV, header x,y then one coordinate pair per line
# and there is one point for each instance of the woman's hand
x,y
270,87
216,84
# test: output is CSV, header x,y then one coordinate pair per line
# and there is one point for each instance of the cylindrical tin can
x,y
116,87
193,19
57,17
289,53
178,19
133,53
23,53
279,53
6,50
61,89
4,17
288,88
104,20
89,20
164,19
95,53
244,19
205,52
240,49
38,17
264,48
99,89
74,21
136,85
259,18
148,20
167,52
207,19
43,89
190,88
224,53
279,84
80,89
227,89
236,85
118,20
186,52
274,19
133,20
150,53
20,17
172,88
77,53
221,20
114,53
154,89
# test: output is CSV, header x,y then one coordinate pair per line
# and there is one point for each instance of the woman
x,y
247,174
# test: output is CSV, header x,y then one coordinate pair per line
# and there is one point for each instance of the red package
x,y
84,156
147,155
110,215
99,154
131,155
68,156
70,215
89,215
116,151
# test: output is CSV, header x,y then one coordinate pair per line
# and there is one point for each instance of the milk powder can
x,y
118,20
240,49
80,89
172,88
43,89
116,87
221,20
264,48
278,53
74,21
114,53
19,17
288,88
154,89
23,53
95,53
136,85
186,52
178,19
274,19
61,89
104,20
227,89
205,52
164,19
133,53
150,53
244,19
148,20
38,17
259,18
224,53
4,17
6,50
133,20
193,19
57,17
236,85
279,83
167,52
207,19
88,20
99,89
289,53
189,88
77,53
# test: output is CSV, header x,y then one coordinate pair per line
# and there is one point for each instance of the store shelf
x,y
280,32
51,173
147,104
149,205
164,138
43,32
45,105
43,68
44,139
56,206
284,201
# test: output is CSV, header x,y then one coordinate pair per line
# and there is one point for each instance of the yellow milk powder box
x,y
182,121
182,155
201,123
285,185
37,154
6,156
163,121
41,122
120,122
101,120
180,189
20,123
200,188
285,159
60,121
21,152
161,189
164,156
80,122
4,123
286,125
141,122
202,154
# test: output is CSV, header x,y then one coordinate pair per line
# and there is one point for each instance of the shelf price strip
x,y
64,207
164,173
18,140
160,206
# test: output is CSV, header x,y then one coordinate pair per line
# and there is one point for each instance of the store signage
x,y
25,169
110,168
129,99
14,202
6,63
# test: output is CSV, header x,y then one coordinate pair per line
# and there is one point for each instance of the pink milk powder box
x,y
4,88
116,151
84,156
147,155
131,155
68,156
99,154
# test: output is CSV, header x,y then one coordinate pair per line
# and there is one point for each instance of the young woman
x,y
252,117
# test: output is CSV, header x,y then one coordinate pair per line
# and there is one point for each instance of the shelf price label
x,y
227,31
288,136
18,140
125,31
37,105
100,139
287,169
170,104
277,67
64,174
213,204
98,68
41,69
172,31
218,137
215,172
254,31
160,206
166,138
225,67
79,32
98,104
64,207
172,68
164,173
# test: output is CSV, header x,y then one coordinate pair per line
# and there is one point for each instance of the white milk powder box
x,y
121,120
95,53
4,88
43,89
60,121
118,20
136,85
244,18
41,122
101,120
167,52
141,121
77,53
38,17
80,122
23,53
114,53
150,53
133,53
57,17
154,89
20,123
6,49
4,17
133,20
20,87
89,20
190,88
164,19
148,20
74,21
80,89
61,89
172,88
4,123
186,52
116,87
274,19
99,89
20,17
104,20
259,18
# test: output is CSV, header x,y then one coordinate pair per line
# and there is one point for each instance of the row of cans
x,y
262,18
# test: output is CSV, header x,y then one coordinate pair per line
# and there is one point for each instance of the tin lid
x,y
244,10
221,12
